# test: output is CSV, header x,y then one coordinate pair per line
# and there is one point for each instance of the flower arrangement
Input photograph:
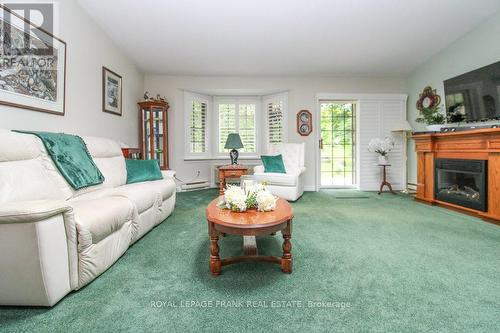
x,y
381,146
234,199
253,196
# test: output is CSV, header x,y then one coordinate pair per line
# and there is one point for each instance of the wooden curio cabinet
x,y
153,131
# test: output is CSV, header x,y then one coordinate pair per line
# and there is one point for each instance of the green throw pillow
x,y
273,163
142,171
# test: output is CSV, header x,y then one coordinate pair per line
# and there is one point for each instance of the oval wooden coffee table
x,y
249,224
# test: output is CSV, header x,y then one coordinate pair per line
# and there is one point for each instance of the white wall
x,y
88,49
302,95
478,48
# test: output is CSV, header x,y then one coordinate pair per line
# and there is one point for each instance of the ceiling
x,y
286,37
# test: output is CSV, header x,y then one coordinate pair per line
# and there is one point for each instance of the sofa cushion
x,y
142,195
26,171
98,218
165,187
273,164
160,188
276,178
108,157
142,170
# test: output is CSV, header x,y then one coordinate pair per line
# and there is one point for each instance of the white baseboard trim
x,y
310,188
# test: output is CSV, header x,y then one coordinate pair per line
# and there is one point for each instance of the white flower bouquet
x,y
253,196
381,146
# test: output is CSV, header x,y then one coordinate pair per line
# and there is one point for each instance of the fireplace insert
x,y
461,182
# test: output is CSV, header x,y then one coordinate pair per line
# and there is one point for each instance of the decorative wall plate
x,y
304,122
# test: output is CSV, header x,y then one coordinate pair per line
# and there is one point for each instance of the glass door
x,y
158,135
337,144
146,127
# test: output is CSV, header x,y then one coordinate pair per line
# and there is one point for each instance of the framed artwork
x,y
111,92
304,122
33,71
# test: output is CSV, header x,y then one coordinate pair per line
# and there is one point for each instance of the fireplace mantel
x,y
479,144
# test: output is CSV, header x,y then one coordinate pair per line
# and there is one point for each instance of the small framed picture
x,y
111,92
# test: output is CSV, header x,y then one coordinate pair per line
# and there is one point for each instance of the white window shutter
x,y
246,127
276,121
227,123
197,127
237,115
196,119
377,117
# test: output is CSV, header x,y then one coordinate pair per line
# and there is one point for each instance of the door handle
x,y
320,143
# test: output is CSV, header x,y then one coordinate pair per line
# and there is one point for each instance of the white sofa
x,y
289,185
54,239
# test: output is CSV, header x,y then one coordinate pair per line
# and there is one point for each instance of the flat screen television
x,y
474,96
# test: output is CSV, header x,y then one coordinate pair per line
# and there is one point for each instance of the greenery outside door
x,y
337,144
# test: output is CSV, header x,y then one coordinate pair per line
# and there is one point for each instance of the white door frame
x,y
360,99
354,98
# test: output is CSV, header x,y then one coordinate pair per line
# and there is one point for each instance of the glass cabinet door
x,y
158,147
154,140
146,127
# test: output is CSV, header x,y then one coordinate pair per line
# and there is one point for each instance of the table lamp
x,y
403,127
233,142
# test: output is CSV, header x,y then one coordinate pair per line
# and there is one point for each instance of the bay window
x,y
209,120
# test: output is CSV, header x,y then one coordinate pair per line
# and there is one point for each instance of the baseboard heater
x,y
200,185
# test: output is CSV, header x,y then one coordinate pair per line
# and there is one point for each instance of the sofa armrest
x,y
32,211
39,256
302,170
168,173
258,169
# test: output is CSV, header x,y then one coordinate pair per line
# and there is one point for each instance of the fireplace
x,y
461,182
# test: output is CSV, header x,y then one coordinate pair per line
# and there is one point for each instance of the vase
x,y
383,160
434,128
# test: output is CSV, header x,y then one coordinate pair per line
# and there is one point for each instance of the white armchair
x,y
289,185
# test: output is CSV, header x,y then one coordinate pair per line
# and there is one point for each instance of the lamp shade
x,y
402,126
233,141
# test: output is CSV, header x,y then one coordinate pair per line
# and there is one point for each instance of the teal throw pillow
x,y
142,171
273,163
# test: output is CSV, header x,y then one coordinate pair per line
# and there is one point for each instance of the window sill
x,y
221,158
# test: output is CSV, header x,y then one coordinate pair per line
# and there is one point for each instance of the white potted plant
x,y
382,147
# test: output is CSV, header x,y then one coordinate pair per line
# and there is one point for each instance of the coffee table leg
x,y
215,263
286,260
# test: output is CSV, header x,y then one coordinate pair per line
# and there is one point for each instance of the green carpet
x,y
385,263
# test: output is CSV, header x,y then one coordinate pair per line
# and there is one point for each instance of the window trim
x,y
189,98
257,100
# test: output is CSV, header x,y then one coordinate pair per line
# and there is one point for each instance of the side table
x,y
384,181
230,171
